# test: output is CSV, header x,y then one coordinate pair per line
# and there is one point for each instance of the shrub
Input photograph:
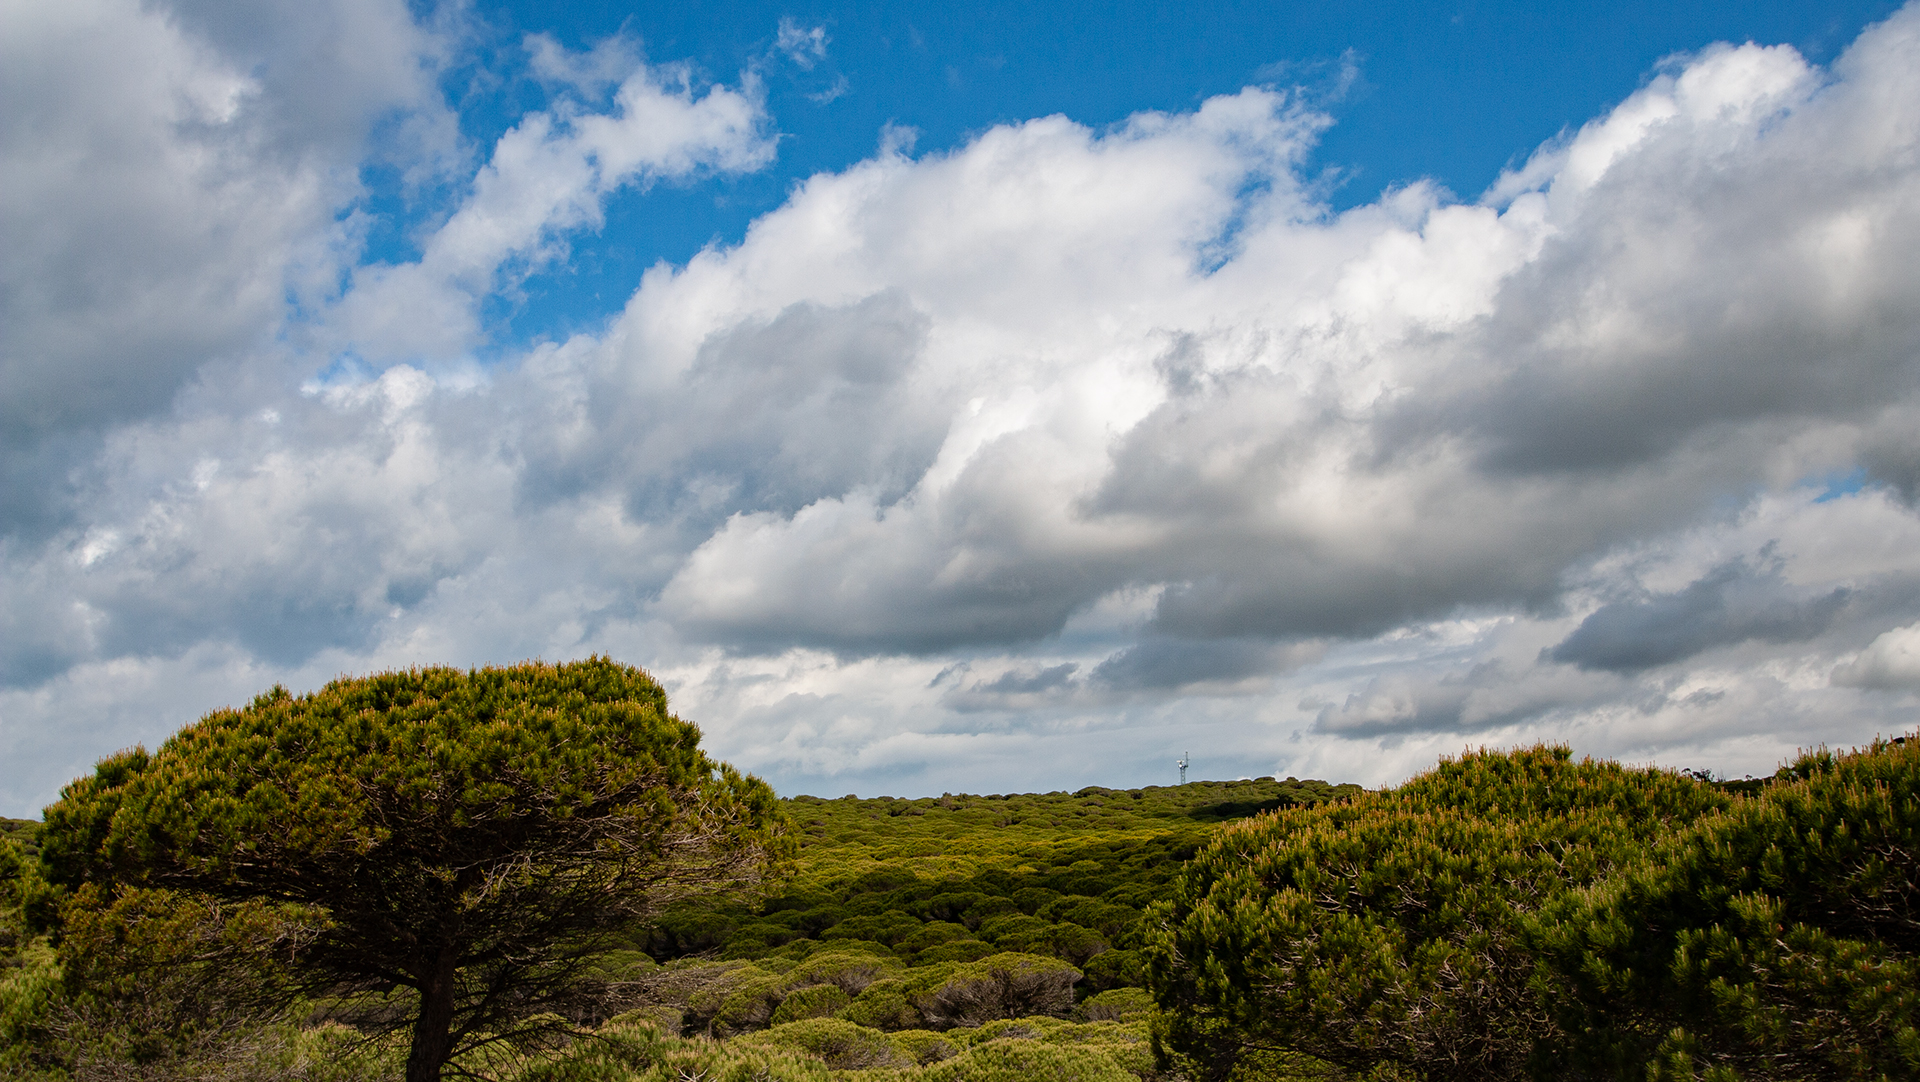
x,y
736,1000
1779,940
888,927
1115,1005
958,950
1018,932
1027,1060
1118,923
924,1046
841,1045
1031,900
1000,986
851,970
1076,944
1390,932
1115,969
932,935
816,1001
884,1005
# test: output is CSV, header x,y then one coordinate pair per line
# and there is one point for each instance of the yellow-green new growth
x,y
473,836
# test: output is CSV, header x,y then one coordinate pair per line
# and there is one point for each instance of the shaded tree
x,y
478,838
1780,940
1391,932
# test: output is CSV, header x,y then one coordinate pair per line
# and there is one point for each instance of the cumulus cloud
x,y
1034,461
1891,661
165,194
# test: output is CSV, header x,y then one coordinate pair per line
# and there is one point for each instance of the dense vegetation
x,y
1507,915
906,937
475,838
1524,915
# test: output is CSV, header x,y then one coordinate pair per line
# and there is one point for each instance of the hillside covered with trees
x,y
646,914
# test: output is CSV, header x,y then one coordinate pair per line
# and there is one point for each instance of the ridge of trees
x,y
897,918
1506,915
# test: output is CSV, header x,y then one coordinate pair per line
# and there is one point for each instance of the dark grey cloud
x,y
1167,663
1021,682
1733,604
169,187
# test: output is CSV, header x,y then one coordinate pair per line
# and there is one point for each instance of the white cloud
x,y
547,177
163,193
1891,661
1039,461
804,45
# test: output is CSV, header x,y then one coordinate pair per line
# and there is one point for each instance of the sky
x,y
995,399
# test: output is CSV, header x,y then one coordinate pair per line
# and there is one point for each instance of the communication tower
x,y
1182,764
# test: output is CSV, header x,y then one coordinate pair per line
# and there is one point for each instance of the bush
x,y
924,1046
1119,923
817,1001
1006,985
1115,1005
1115,969
1076,944
958,950
734,998
1522,915
1391,932
932,935
884,1005
1779,940
1027,1060
842,1046
850,970
888,927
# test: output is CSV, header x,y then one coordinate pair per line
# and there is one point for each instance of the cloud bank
x,y
1029,464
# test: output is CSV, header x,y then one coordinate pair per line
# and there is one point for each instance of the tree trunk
x,y
433,1030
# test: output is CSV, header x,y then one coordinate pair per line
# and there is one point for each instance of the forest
x,y
244,902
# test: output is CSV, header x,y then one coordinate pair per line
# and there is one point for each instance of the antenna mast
x,y
1182,764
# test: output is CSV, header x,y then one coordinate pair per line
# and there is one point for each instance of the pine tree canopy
x,y
476,836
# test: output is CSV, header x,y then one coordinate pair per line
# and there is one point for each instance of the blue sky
x,y
989,400
1450,92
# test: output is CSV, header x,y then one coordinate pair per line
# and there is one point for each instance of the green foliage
x,y
1007,985
884,1005
842,1046
628,1050
1116,1005
1024,1060
631,1051
818,1001
29,975
27,900
974,915
960,878
1780,940
1525,915
1390,930
29,995
158,976
477,837
850,970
